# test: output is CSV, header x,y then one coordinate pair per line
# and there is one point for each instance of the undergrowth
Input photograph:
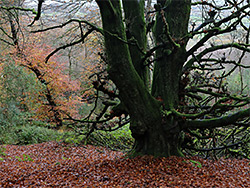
x,y
27,134
37,133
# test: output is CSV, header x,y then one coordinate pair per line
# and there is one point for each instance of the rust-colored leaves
x,y
55,165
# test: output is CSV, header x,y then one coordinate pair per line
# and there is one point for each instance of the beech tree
x,y
170,71
158,114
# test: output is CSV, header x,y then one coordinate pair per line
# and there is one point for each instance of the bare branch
x,y
243,47
217,122
39,8
18,8
96,28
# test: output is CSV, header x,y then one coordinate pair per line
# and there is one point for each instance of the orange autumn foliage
x,y
57,91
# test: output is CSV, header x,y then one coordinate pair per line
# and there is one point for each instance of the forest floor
x,y
52,164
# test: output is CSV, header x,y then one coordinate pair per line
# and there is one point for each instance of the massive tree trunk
x,y
154,133
170,28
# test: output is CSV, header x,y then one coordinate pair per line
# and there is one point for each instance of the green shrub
x,y
35,134
70,137
22,135
120,139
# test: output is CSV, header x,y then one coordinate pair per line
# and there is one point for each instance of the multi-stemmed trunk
x,y
155,133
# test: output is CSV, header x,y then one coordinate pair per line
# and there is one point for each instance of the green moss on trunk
x,y
171,26
154,134
136,35
143,108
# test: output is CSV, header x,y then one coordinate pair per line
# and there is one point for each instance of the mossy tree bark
x,y
170,29
136,35
154,134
